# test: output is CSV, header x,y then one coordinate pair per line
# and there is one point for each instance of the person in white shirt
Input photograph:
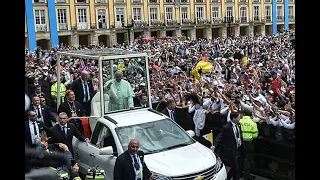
x,y
256,108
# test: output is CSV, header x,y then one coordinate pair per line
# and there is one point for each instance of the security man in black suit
x,y
43,112
83,90
64,132
170,109
130,165
229,144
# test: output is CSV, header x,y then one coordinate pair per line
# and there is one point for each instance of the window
x,y
38,1
60,1
169,1
256,13
153,13
214,0
152,1
62,18
279,0
40,16
229,12
119,1
81,1
102,137
136,14
199,13
290,0
243,14
268,13
82,15
215,12
199,1
267,0
120,15
184,13
256,1
184,1
136,1
279,12
290,12
228,0
102,18
100,1
169,13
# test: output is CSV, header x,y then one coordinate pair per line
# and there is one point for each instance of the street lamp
x,y
228,20
129,26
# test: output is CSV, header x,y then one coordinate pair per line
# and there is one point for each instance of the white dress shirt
x,y
34,139
40,111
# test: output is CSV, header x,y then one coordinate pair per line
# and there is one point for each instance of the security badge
x,y
74,114
199,178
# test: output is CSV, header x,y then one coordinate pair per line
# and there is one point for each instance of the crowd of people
x,y
204,76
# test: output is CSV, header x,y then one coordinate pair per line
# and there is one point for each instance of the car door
x,y
102,138
80,154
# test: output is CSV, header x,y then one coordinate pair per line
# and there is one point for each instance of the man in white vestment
x,y
120,93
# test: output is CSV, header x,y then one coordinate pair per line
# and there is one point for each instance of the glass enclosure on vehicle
x,y
117,78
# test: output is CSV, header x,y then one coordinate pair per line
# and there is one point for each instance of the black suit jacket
x,y
57,136
46,113
27,136
77,88
123,169
64,107
226,145
166,112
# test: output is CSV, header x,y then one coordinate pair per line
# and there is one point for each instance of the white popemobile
x,y
169,150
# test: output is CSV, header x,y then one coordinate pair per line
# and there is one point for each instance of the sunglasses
x,y
33,115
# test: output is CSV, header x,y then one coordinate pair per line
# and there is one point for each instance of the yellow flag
x,y
210,137
245,60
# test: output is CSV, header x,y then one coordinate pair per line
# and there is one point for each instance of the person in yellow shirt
x,y
249,132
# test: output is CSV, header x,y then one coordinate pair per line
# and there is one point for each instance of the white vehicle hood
x,y
181,161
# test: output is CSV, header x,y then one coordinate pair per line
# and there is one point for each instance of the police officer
x,y
249,132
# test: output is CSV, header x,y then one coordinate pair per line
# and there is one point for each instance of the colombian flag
x,y
201,67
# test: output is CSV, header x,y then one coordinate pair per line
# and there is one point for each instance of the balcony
x,y
102,25
243,20
256,19
268,18
187,21
171,22
156,22
63,26
280,18
41,27
203,21
61,1
140,24
217,20
136,1
291,18
82,26
153,1
119,24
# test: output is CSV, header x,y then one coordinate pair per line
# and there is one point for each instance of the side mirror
x,y
191,133
106,151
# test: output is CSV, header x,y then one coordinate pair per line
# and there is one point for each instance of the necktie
x,y
238,136
85,92
35,129
38,112
172,115
64,131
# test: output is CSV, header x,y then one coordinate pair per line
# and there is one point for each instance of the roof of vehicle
x,y
132,117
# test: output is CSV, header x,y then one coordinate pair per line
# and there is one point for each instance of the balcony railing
x,y
279,18
172,22
214,0
153,1
82,26
184,1
243,20
228,0
156,22
63,26
81,1
38,1
169,1
203,21
136,1
268,18
243,0
61,1
256,1
140,24
291,18
119,1
256,19
187,21
102,25
41,27
199,1
101,1
217,21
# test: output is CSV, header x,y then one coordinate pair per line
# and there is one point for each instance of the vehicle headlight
x,y
218,166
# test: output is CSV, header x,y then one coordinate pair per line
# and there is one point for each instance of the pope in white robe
x,y
120,93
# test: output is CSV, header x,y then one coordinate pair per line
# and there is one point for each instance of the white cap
x,y
45,67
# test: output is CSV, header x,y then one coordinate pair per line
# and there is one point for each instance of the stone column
x,y
163,32
74,39
95,39
193,33
251,30
131,36
263,29
208,33
113,37
237,31
223,32
178,33
147,33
